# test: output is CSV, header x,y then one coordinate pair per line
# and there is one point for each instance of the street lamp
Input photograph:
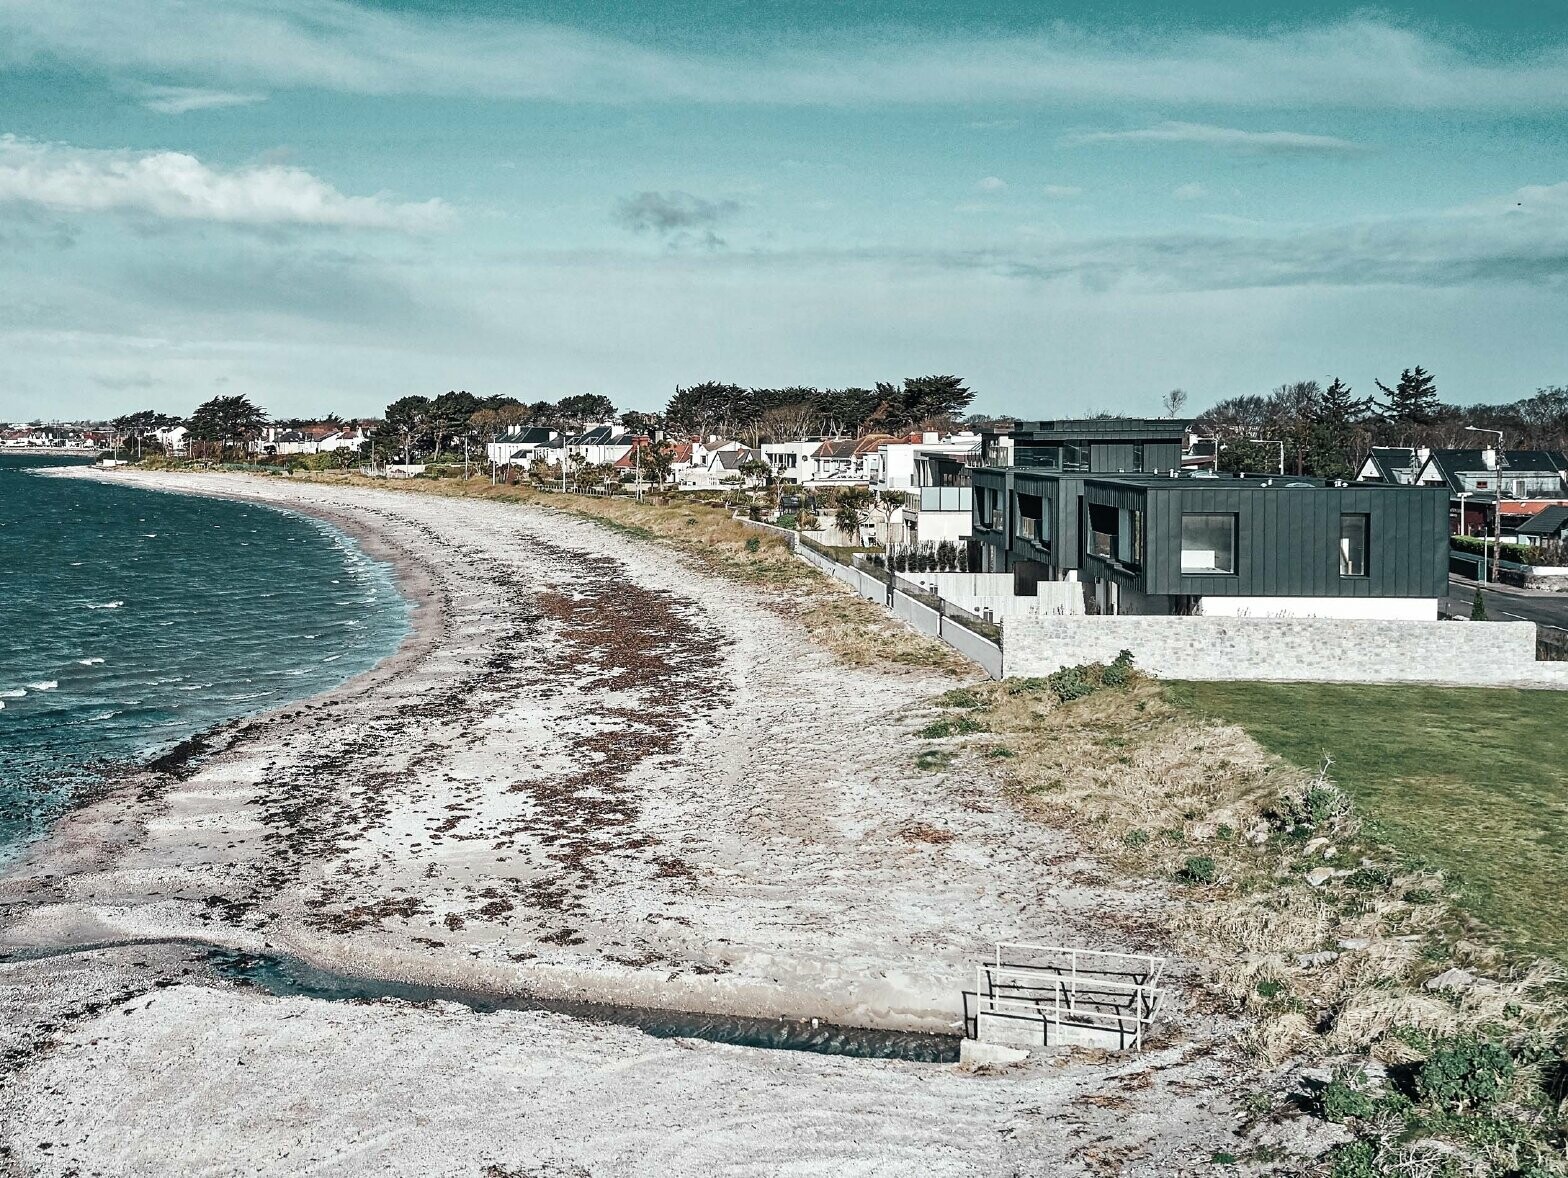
x,y
1497,497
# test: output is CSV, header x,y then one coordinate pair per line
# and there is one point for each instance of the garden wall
x,y
1287,649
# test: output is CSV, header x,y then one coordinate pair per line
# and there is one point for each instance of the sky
x,y
329,204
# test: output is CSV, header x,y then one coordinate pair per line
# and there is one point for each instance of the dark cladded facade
x,y
1146,538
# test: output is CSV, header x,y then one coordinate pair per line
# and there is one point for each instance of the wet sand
x,y
591,772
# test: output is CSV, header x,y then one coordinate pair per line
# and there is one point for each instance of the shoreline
x,y
600,775
424,612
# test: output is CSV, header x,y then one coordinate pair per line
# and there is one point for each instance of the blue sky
x,y
329,204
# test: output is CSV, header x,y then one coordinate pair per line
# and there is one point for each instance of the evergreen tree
x,y
1413,401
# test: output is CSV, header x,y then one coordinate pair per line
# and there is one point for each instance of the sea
x,y
132,620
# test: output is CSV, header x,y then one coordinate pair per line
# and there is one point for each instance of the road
x,y
1508,605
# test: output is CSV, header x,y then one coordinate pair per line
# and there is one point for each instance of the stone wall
x,y
1300,649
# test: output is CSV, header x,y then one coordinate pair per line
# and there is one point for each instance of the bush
x,y
1464,1072
753,544
1314,805
1120,672
958,726
1354,1159
1343,1098
1072,683
1199,869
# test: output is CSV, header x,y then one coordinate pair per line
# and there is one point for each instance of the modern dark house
x,y
1143,536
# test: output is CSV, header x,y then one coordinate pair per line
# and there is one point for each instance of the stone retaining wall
x,y
1287,649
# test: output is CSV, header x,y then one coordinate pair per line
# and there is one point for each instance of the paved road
x,y
1509,605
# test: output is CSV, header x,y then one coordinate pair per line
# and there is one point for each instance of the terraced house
x,y
1105,502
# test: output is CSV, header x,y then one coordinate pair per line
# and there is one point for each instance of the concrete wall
x,y
1299,649
972,646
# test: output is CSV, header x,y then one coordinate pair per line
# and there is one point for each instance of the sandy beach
x,y
592,772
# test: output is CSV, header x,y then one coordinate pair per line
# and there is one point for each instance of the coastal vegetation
x,y
1311,912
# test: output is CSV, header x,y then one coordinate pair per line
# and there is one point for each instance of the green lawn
x,y
1473,780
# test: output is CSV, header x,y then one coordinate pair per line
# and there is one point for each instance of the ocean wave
x,y
14,693
106,605
44,685
88,662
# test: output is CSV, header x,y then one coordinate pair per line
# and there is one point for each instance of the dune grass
x,y
1473,781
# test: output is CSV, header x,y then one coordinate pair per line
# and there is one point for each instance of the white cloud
x,y
174,186
1062,191
1360,63
1224,138
1193,191
179,100
991,184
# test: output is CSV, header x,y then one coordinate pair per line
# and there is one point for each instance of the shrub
x,y
1000,753
753,544
1354,1159
1463,1072
1071,683
1343,1098
1199,869
1120,672
1370,878
1136,838
1269,988
961,697
1316,804
957,726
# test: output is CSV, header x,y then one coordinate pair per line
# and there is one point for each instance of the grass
x,y
1473,781
1300,919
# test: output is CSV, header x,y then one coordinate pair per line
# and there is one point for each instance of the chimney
x,y
1489,458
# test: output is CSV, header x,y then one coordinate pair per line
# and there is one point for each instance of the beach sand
x,y
592,772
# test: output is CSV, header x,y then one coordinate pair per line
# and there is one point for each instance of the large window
x,y
1031,518
1208,544
1353,535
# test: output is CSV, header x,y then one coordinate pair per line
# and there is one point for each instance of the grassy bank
x,y
1470,780
1323,941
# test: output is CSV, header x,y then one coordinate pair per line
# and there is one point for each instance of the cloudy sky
x,y
327,204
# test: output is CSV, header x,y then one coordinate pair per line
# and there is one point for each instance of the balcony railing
x,y
942,498
1103,545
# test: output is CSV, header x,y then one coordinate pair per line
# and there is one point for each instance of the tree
x,y
1248,454
133,430
1173,402
1413,401
889,505
646,424
406,426
934,399
449,416
1478,608
658,461
849,513
578,411
704,409
227,421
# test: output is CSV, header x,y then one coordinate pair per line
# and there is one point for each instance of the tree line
x,y
1329,431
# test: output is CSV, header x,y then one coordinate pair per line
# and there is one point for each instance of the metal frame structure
x,y
1098,989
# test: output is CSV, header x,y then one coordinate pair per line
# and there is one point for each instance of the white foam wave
x,y
107,605
44,685
14,693
89,662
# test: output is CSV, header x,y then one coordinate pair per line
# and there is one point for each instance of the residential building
x,y
1481,484
1547,526
1109,506
939,506
520,445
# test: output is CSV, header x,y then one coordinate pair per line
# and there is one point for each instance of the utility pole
x,y
1497,499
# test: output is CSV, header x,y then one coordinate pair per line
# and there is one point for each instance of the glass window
x,y
1353,531
1208,543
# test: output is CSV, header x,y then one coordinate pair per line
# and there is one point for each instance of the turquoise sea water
x,y
133,619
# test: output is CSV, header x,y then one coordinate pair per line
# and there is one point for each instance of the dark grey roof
x,y
1549,521
1391,461
1453,464
532,435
